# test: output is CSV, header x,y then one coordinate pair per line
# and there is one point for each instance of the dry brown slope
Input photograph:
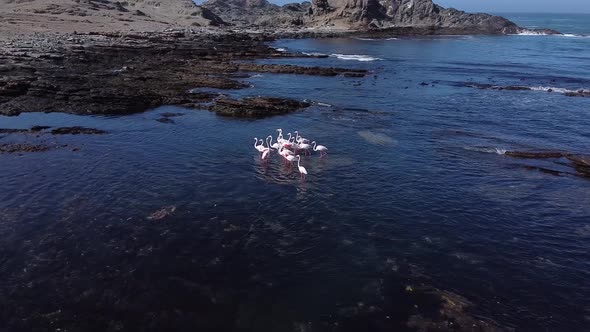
x,y
26,16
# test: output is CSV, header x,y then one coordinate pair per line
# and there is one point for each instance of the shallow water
x,y
413,184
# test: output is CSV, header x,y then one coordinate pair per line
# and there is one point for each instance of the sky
x,y
507,6
522,6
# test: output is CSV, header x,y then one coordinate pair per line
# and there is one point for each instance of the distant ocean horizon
x,y
577,24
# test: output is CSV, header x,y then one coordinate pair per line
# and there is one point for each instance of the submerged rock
x,y
580,163
170,115
22,147
256,107
536,154
76,130
165,120
162,213
579,93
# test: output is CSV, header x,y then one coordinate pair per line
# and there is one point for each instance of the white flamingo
x,y
266,151
300,139
276,145
260,147
304,146
302,169
322,149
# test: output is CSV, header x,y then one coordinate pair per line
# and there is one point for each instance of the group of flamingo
x,y
290,149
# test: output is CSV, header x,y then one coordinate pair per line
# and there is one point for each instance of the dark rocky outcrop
x,y
568,93
256,107
580,163
579,93
123,73
77,130
22,147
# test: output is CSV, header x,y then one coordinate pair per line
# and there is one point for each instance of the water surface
x,y
413,185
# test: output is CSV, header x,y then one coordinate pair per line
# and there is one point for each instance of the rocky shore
x,y
122,73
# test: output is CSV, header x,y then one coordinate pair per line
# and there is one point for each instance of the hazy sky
x,y
523,6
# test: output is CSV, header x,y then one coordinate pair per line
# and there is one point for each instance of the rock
x,y
116,15
388,14
581,164
514,88
23,147
543,170
76,130
256,107
579,93
260,13
290,69
39,128
12,131
162,213
535,155
165,120
170,115
124,73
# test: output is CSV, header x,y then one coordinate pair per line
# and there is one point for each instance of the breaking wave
x,y
541,33
354,57
314,54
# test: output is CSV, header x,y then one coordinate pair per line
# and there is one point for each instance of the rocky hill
x,y
259,13
101,15
358,14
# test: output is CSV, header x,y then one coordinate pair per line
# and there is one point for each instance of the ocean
x,y
417,189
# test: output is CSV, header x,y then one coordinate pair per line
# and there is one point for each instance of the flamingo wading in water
x,y
322,149
302,169
260,148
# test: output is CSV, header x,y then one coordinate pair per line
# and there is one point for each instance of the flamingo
x,y
302,169
287,155
304,146
322,149
266,151
300,139
260,148
284,152
275,146
287,142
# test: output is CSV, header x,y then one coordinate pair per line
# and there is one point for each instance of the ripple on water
x,y
377,138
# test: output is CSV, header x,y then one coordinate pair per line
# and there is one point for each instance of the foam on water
x,y
538,33
557,90
486,150
314,54
530,33
574,35
355,57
